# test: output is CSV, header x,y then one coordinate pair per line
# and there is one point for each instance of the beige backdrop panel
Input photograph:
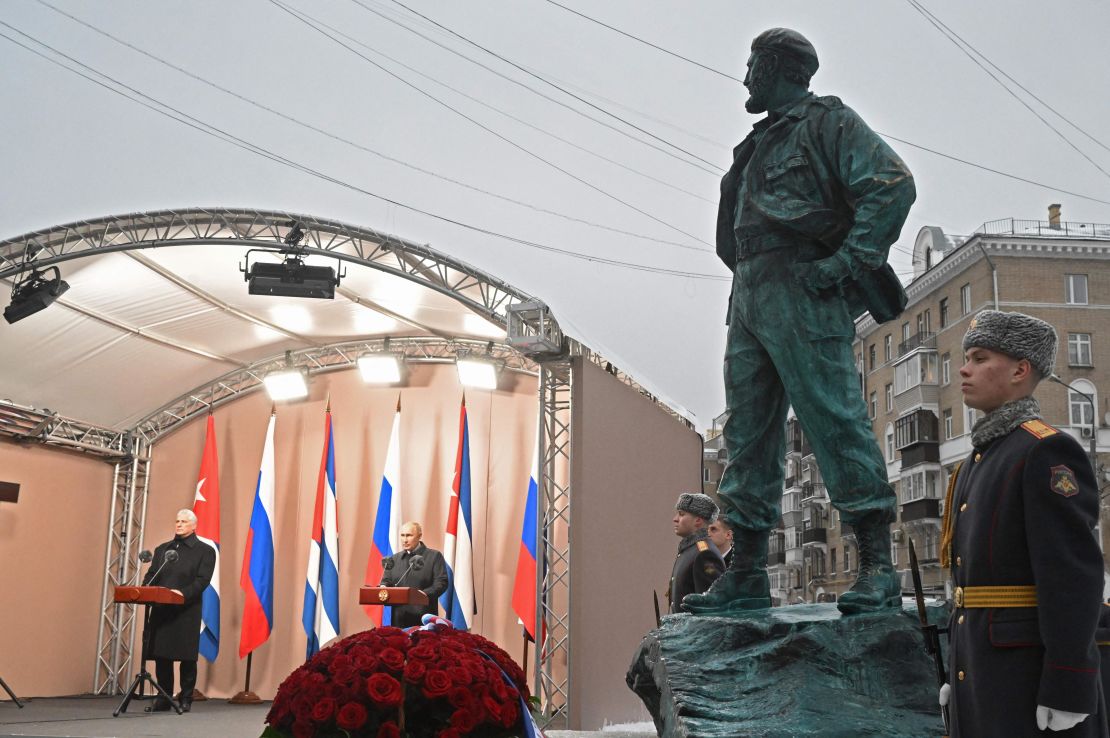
x,y
629,461
502,438
51,569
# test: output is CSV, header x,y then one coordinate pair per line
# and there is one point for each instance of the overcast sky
x,y
509,153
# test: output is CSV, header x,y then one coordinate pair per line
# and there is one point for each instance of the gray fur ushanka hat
x,y
1017,335
697,504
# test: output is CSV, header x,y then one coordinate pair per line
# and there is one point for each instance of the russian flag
x,y
320,615
257,578
206,506
385,538
524,586
458,601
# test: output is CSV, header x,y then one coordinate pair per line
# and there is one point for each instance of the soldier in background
x,y
698,561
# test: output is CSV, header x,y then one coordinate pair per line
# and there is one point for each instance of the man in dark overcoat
x,y
1019,538
808,212
415,565
174,630
698,561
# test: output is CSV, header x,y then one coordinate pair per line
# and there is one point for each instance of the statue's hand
x,y
823,274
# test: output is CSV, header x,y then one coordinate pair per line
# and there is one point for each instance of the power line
x,y
1023,88
179,116
616,129
304,18
928,17
559,88
356,145
644,42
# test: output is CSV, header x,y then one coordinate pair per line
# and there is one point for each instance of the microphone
x,y
417,563
145,557
169,557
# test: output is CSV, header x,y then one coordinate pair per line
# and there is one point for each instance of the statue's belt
x,y
979,597
758,244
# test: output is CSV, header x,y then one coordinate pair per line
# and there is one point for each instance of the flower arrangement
x,y
434,682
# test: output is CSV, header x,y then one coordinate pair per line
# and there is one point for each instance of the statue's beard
x,y
758,88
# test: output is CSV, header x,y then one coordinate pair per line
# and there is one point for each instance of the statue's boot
x,y
744,586
878,586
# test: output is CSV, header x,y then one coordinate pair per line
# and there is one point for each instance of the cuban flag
x,y
320,615
385,538
524,586
257,578
206,506
458,601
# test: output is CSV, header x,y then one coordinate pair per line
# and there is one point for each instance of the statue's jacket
x,y
1021,513
819,171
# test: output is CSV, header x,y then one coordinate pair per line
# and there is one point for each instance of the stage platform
x,y
91,717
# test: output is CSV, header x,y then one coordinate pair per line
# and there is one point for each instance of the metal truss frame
x,y
116,632
553,572
28,425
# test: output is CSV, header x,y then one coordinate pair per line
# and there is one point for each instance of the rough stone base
x,y
803,670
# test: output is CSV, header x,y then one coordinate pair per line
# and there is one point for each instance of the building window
x,y
890,443
946,369
874,404
833,559
889,397
905,331
1075,289
921,368
920,426
919,486
705,474
886,348
893,553
969,418
1080,412
965,299
1079,349
847,558
871,356
944,312
949,429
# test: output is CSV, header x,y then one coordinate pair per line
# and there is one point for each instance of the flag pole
x,y
246,697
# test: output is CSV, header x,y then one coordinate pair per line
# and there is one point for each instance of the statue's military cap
x,y
788,42
697,504
1014,334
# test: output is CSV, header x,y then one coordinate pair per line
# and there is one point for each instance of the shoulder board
x,y
703,546
1039,428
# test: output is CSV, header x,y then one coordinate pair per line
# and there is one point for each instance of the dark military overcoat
x,y
174,631
1022,513
431,579
696,565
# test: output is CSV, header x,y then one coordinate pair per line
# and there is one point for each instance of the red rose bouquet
x,y
389,683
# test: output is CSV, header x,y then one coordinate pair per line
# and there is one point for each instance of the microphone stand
x,y
144,676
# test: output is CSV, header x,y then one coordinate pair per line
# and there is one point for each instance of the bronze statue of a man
x,y
808,212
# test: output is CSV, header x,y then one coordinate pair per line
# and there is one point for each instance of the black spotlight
x,y
34,293
292,278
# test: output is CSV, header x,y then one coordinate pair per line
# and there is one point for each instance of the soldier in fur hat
x,y
698,561
1019,538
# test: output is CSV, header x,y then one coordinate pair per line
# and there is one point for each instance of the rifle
x,y
658,620
930,632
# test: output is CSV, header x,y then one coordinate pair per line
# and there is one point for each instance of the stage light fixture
x,y
34,293
287,383
292,277
477,372
380,368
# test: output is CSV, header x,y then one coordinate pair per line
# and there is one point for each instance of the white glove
x,y
1051,719
945,691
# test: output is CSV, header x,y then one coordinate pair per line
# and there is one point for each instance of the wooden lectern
x,y
391,596
146,596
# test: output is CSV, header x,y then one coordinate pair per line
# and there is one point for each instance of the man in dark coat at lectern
x,y
174,630
415,565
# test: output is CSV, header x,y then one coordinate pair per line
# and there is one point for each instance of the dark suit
x,y
696,565
431,579
1022,513
174,633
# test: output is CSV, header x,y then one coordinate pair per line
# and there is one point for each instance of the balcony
x,y
776,558
815,535
814,492
927,508
921,453
921,340
792,519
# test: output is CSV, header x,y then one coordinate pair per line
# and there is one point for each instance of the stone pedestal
x,y
803,670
